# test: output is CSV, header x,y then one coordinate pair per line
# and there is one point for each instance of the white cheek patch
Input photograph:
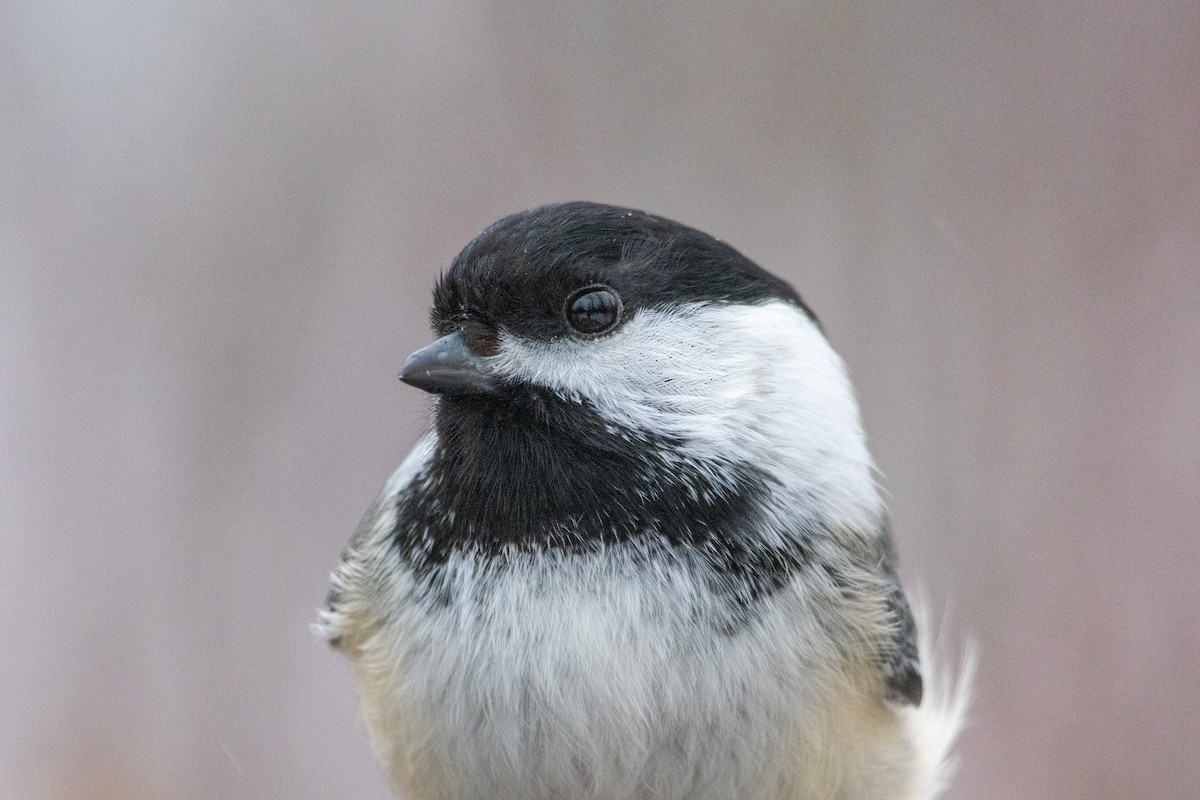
x,y
732,382
653,374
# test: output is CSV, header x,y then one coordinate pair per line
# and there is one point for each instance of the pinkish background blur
x,y
219,225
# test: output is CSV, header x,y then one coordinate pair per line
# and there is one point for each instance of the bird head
x,y
599,340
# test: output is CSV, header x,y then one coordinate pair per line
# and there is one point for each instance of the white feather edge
x,y
936,725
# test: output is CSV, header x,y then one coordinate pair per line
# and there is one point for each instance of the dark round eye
x,y
593,310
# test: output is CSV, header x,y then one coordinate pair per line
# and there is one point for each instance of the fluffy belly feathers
x,y
591,679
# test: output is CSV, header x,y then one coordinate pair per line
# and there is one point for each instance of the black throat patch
x,y
529,471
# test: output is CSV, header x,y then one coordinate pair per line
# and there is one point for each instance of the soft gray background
x,y
220,221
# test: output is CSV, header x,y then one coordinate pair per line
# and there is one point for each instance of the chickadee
x,y
641,554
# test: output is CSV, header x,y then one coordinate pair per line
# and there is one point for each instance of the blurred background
x,y
219,226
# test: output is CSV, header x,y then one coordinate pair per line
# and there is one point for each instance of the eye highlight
x,y
593,310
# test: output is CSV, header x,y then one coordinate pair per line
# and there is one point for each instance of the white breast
x,y
601,677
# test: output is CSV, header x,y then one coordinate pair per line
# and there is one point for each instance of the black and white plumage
x,y
641,554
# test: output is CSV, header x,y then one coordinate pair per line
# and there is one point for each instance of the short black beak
x,y
448,367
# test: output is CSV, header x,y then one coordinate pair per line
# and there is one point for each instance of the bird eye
x,y
593,310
